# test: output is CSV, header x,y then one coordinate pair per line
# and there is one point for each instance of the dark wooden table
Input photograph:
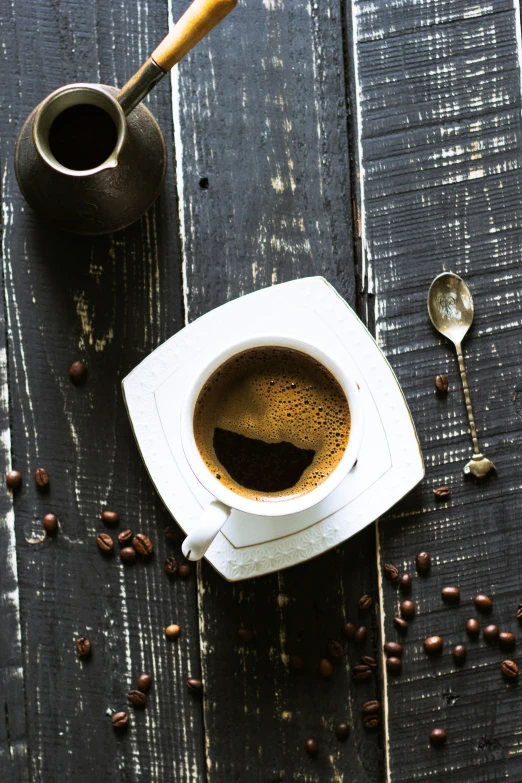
x,y
377,143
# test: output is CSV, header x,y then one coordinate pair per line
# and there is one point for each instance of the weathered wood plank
x,y
262,117
110,301
439,108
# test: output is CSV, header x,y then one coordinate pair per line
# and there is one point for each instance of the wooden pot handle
x,y
197,21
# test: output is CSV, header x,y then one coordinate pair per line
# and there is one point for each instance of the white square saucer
x,y
389,463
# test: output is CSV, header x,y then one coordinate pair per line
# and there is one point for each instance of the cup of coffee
x,y
270,427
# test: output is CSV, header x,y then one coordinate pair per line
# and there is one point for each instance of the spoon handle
x,y
464,376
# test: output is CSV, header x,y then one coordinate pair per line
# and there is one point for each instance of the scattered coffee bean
x,y
144,682
173,631
441,493
173,532
111,517
473,628
105,542
361,672
441,383
433,645
137,698
194,684
371,707
50,523
41,477
519,612
391,572
393,648
297,662
459,654
335,650
170,566
120,720
400,624
78,372
506,640
371,722
483,603
128,554
407,610
405,583
342,731
13,479
509,669
437,737
360,635
311,746
142,544
246,636
125,537
184,571
490,633
349,630
325,668
450,595
365,602
83,647
423,563
367,660
394,665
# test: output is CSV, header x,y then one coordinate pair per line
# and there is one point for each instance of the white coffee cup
x,y
216,513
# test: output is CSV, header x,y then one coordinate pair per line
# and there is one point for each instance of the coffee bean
x,y
405,583
128,554
349,630
13,479
105,542
311,746
325,668
394,665
506,640
433,645
194,684
367,660
473,628
360,635
137,698
246,636
490,633
407,610
371,707
365,602
41,477
297,662
483,603
120,720
371,722
335,650
393,648
142,544
111,517
450,595
144,682
361,672
437,737
441,383
83,647
423,563
400,624
509,669
125,537
519,612
184,571
459,654
391,572
442,493
170,566
173,631
50,523
342,731
173,533
78,372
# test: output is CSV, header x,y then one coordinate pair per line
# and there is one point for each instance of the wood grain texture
x,y
109,301
263,165
441,141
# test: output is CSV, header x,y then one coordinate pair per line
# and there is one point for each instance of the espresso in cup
x,y
271,423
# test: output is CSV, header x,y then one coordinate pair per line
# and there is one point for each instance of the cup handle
x,y
212,520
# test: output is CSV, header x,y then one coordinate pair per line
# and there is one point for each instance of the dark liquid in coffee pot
x,y
82,137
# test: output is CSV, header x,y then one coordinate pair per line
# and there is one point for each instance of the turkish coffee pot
x,y
90,158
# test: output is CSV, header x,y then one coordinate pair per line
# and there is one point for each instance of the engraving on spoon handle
x,y
467,397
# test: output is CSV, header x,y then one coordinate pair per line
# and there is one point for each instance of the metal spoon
x,y
450,306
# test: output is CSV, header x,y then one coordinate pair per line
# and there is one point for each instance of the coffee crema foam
x,y
273,395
